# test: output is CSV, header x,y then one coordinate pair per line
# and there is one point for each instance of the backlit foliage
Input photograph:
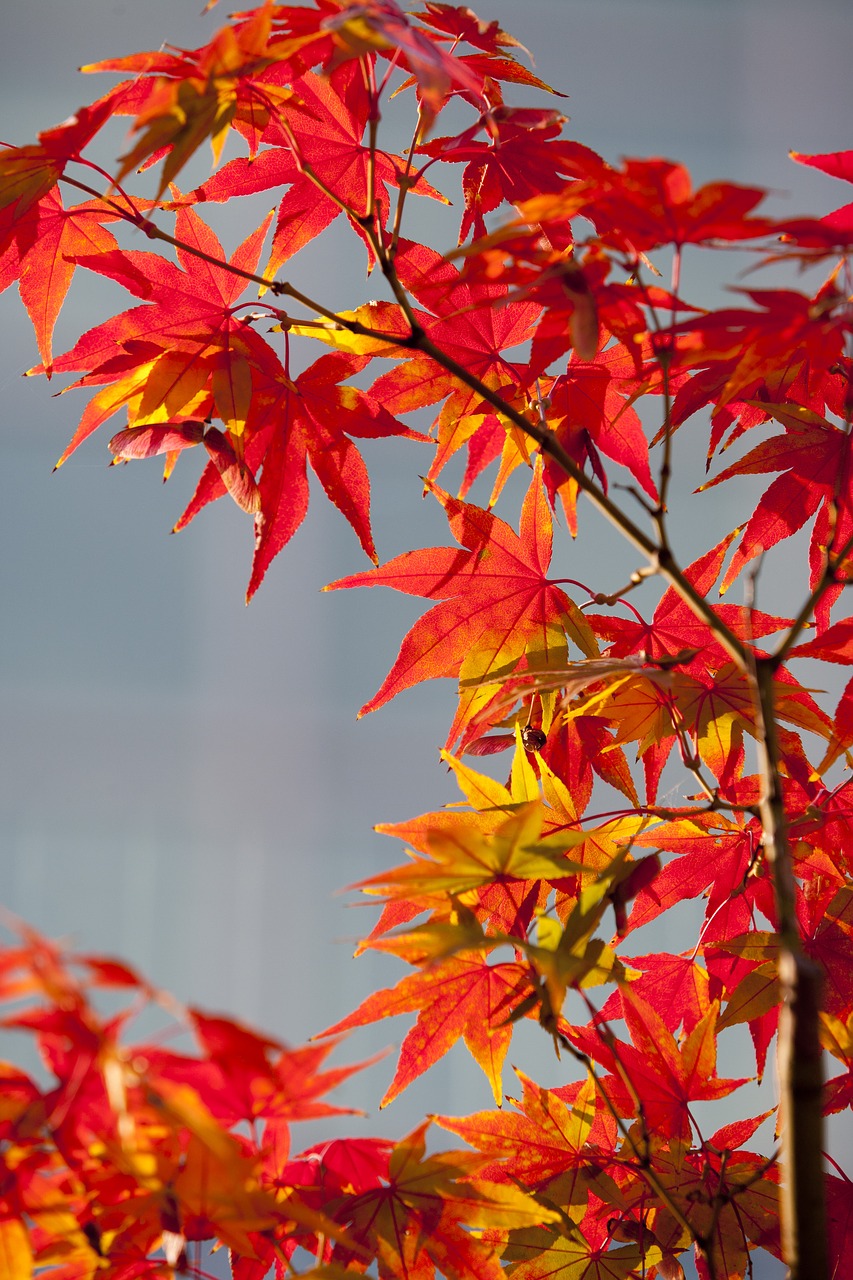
x,y
559,341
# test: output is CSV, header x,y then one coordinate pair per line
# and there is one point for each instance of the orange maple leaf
x,y
497,604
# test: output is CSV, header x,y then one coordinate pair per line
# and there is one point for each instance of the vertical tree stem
x,y
803,1209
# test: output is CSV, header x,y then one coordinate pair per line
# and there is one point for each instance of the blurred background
x,y
184,781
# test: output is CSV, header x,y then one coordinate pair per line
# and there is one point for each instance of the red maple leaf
x,y
28,174
181,98
590,410
291,423
539,1140
677,987
715,859
522,156
834,230
791,334
186,352
497,603
814,458
474,325
649,203
666,1076
323,134
43,261
463,996
674,627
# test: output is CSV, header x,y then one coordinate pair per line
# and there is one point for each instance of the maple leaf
x,y
489,64
29,174
322,133
462,996
747,1217
569,1255
541,1139
790,336
497,602
649,203
814,457
415,1218
503,901
182,98
291,423
706,713
192,304
467,847
674,627
186,352
676,986
589,409
45,267
716,855
464,861
833,229
473,324
380,25
522,157
666,1076
460,23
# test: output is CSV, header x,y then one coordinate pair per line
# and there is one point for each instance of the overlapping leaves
x,y
549,348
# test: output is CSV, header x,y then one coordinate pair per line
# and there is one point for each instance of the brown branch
x,y
803,1211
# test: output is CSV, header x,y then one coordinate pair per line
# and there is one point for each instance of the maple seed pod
x,y
532,739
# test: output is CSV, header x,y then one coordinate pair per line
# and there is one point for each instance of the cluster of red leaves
x,y
551,331
130,1153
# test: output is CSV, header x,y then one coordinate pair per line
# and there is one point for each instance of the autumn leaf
x,y
715,854
541,1255
674,627
480,837
417,1214
291,423
45,269
199,353
677,986
521,156
790,342
833,229
465,997
474,325
497,602
540,1140
322,132
650,203
182,99
29,174
664,1075
814,457
462,861
590,410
